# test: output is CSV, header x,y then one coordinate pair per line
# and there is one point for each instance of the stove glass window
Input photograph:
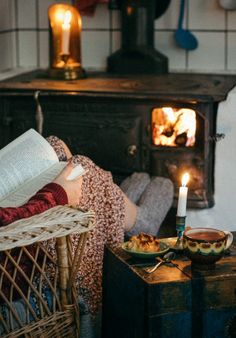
x,y
173,127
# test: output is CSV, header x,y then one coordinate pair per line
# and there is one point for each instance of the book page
x,y
29,188
24,158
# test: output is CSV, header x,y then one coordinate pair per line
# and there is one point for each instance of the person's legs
x,y
134,185
130,213
151,208
87,329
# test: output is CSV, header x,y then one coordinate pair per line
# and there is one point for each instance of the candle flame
x,y
185,179
67,19
59,16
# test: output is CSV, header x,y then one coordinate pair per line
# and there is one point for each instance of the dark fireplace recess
x,y
137,53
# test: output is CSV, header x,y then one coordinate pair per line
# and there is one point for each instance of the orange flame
x,y
171,124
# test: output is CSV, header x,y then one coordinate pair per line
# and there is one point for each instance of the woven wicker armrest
x,y
38,272
53,223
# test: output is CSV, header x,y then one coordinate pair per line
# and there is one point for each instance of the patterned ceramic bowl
x,y
205,246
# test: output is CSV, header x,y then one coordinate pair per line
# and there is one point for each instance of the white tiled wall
x,y
24,36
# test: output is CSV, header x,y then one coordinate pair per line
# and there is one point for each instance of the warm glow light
x,y
174,127
65,45
187,123
170,113
65,41
67,20
130,10
59,16
185,179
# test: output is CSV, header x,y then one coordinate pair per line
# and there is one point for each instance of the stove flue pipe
x,y
137,53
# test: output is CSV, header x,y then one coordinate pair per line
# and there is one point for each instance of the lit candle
x,y
65,42
183,193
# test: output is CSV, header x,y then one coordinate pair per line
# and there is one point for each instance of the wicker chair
x,y
38,297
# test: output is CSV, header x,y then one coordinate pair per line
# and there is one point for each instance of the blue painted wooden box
x,y
172,302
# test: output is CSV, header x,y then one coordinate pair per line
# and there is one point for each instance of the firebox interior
x,y
180,143
173,127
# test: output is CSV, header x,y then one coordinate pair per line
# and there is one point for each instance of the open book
x,y
26,165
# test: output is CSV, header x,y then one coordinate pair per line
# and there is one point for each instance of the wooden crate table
x,y
172,302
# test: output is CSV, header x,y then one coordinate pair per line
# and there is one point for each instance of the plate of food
x,y
145,246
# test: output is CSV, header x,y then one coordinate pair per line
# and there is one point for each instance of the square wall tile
x,y
210,54
8,58
7,15
43,49
100,19
231,61
26,14
164,43
43,11
95,49
231,22
169,19
28,49
206,15
12,37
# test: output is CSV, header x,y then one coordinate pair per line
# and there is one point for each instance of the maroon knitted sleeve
x,y
49,196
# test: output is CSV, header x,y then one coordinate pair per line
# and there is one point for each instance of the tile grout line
x,y
17,34
37,33
226,40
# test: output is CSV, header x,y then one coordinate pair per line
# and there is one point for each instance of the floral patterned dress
x,y
100,194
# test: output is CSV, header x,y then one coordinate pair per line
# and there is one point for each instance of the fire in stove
x,y
181,139
173,127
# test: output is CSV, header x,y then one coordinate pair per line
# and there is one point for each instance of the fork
x,y
166,259
153,268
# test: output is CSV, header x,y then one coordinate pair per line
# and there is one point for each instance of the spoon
x,y
166,259
183,37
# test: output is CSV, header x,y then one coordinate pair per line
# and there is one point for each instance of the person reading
x,y
140,204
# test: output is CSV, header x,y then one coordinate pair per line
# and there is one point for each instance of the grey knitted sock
x,y
153,206
134,185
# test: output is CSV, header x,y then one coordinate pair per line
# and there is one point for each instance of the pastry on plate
x,y
143,243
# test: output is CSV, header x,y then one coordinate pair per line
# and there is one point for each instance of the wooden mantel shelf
x,y
182,85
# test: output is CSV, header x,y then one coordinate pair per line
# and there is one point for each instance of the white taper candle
x,y
65,39
183,194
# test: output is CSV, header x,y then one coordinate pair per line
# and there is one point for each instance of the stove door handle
x,y
132,150
217,137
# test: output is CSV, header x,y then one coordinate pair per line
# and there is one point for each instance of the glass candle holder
x,y
65,27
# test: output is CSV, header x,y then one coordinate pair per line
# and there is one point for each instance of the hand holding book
x,y
73,185
27,164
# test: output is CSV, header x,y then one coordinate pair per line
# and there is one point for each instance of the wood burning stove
x,y
126,124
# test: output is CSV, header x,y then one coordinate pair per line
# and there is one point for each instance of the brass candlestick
x,y
65,35
69,72
65,58
180,227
